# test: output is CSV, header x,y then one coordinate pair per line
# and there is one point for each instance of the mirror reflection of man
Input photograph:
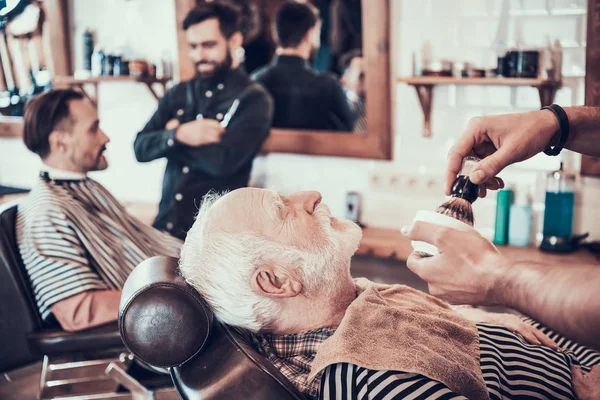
x,y
209,128
352,65
303,98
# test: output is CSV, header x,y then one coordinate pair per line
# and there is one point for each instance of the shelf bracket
x,y
425,94
547,93
83,86
93,98
151,88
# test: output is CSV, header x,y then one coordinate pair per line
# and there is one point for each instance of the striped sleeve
x,y
54,257
349,382
583,356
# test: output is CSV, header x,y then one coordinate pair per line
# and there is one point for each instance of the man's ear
x,y
274,281
344,80
315,36
236,41
57,140
309,38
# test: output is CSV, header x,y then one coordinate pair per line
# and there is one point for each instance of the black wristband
x,y
563,130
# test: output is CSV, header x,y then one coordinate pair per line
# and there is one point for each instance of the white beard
x,y
329,264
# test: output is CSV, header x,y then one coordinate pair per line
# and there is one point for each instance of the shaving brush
x,y
456,213
464,193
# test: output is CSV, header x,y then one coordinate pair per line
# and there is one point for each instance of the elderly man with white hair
x,y
279,266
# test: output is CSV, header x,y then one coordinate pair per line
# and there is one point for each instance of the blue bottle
x,y
521,220
558,214
504,199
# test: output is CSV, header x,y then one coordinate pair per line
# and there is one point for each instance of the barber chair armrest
x,y
53,341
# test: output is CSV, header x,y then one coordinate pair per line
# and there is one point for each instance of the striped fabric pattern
x,y
359,110
347,381
512,369
74,236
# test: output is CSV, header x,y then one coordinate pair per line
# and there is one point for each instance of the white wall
x,y
458,30
145,29
392,191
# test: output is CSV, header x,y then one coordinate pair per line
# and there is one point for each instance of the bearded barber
x,y
209,128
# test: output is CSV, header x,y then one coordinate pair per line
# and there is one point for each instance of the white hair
x,y
220,265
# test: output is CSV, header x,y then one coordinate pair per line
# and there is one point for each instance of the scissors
x,y
230,113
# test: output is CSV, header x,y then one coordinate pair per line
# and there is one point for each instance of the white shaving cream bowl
x,y
441,220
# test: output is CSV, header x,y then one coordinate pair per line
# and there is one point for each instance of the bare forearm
x,y
585,130
87,309
564,298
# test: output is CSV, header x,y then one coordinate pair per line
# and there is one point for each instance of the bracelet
x,y
563,130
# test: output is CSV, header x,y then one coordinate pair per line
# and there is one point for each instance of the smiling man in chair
x,y
77,242
280,267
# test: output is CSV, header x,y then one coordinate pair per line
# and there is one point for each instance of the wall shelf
x,y
11,127
80,84
424,86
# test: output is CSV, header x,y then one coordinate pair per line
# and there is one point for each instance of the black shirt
x,y
303,98
194,171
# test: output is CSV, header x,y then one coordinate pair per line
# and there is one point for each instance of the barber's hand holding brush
x,y
470,270
501,140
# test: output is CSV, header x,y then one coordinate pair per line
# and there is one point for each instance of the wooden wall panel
x,y
57,19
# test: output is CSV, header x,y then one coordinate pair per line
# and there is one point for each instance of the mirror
x,y
309,57
350,53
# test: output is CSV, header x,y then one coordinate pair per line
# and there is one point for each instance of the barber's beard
x,y
220,67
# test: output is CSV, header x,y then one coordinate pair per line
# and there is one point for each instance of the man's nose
x,y
199,55
195,55
310,200
105,138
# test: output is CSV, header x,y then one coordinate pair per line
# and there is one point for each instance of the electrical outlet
x,y
353,206
395,182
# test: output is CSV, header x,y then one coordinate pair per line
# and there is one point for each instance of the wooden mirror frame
x,y
590,166
377,141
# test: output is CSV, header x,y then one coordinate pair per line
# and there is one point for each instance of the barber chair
x,y
89,360
166,323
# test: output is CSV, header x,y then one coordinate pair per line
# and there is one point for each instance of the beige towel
x,y
397,328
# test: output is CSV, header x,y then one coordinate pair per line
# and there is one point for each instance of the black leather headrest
x,y
163,320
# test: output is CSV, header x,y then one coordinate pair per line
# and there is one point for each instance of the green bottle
x,y
503,203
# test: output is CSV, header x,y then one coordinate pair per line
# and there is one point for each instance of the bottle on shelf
x,y
520,223
97,61
547,68
557,58
88,49
504,200
426,56
558,212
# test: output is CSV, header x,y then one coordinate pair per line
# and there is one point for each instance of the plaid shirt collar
x,y
293,354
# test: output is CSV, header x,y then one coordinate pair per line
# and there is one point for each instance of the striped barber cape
x,y
511,368
74,236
